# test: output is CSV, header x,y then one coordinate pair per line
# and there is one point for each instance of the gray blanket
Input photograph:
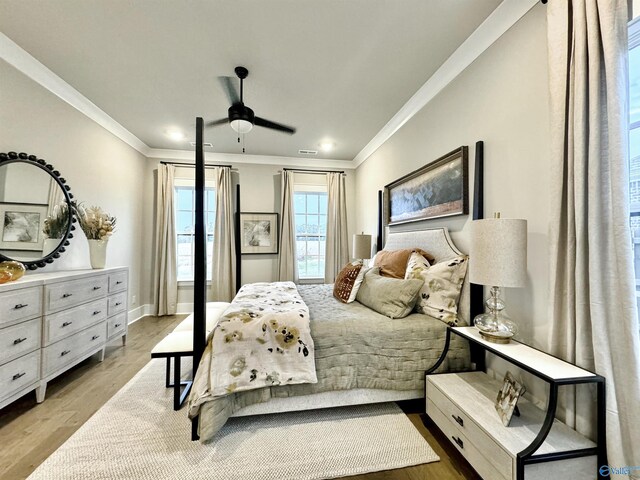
x,y
355,347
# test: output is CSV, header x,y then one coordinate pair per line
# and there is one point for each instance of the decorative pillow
x,y
348,282
389,296
442,285
393,263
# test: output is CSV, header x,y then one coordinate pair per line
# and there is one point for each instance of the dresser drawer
x,y
66,351
118,282
116,324
19,339
19,305
63,324
19,374
486,467
463,424
117,303
68,294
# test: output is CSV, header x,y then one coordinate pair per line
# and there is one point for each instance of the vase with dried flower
x,y
55,228
97,226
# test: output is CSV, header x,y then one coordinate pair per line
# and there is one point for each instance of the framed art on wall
x,y
439,189
21,226
259,232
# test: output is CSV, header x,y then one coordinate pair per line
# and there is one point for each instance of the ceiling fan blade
x,y
217,122
261,122
228,85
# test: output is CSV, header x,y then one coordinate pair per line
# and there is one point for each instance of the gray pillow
x,y
392,297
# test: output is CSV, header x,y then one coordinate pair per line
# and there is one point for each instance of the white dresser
x,y
50,322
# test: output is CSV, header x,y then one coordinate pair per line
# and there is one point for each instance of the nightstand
x,y
535,446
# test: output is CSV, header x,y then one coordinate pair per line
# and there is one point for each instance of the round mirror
x,y
36,212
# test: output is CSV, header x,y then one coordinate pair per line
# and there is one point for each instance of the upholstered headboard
x,y
438,243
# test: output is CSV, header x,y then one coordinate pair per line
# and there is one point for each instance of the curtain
x,y
165,280
592,308
223,275
337,254
287,264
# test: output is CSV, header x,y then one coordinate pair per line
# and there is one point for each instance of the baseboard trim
x,y
147,309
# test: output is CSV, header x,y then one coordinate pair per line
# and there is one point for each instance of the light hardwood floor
x,y
29,432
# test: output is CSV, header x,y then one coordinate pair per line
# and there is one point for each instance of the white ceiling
x,y
338,70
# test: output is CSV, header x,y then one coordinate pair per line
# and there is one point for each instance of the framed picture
x,y
439,189
258,232
508,398
21,226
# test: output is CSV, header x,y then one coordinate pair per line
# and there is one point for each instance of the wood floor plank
x,y
30,432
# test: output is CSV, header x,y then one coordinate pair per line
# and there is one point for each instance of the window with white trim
x,y
310,208
185,226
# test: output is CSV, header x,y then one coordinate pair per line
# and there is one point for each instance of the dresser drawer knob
x,y
96,312
18,375
19,340
118,282
117,325
66,295
97,288
66,324
458,419
458,441
118,304
95,337
66,352
20,305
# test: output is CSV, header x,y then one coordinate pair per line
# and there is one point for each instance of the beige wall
x,y
100,169
501,99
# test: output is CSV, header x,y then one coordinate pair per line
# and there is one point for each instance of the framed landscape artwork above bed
x,y
439,189
259,233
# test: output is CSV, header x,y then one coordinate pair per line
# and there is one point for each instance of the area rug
x,y
137,435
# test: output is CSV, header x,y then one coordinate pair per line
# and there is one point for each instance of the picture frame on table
x,y
507,400
438,189
21,226
258,233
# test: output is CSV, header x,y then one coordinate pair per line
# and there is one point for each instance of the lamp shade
x,y
498,253
361,246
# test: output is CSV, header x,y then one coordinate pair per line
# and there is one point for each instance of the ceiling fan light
x,y
241,126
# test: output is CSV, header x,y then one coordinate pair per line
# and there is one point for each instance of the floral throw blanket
x,y
262,340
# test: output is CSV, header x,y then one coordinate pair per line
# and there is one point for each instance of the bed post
x,y
380,222
476,292
200,263
238,240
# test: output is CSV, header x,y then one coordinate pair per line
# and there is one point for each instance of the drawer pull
x,y
66,295
458,419
96,312
118,304
117,325
20,305
95,337
19,340
65,353
97,288
118,282
18,375
66,324
458,441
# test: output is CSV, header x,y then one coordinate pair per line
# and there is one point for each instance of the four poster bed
x,y
347,353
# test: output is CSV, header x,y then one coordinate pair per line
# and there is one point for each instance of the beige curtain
x,y
592,311
337,253
223,275
287,263
165,272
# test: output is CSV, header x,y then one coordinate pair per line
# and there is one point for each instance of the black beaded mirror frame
x,y
13,157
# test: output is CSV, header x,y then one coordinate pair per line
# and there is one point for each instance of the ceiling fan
x,y
240,117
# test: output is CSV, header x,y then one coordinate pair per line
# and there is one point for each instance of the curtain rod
x,y
312,171
190,165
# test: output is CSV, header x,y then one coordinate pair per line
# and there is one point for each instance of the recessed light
x,y
176,135
326,146
305,151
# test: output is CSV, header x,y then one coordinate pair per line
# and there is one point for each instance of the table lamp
x,y
498,258
361,246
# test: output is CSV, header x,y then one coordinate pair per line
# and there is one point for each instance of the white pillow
x,y
442,286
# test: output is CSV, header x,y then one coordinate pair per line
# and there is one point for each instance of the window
x,y
310,208
185,227
634,143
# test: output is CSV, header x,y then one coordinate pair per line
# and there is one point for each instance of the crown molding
x,y
494,26
24,62
237,158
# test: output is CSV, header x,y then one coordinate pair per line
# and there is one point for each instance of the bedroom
x,y
497,93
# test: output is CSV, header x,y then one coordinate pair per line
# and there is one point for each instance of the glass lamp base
x,y
495,328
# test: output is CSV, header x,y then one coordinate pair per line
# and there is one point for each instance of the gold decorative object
x,y
14,269
5,277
